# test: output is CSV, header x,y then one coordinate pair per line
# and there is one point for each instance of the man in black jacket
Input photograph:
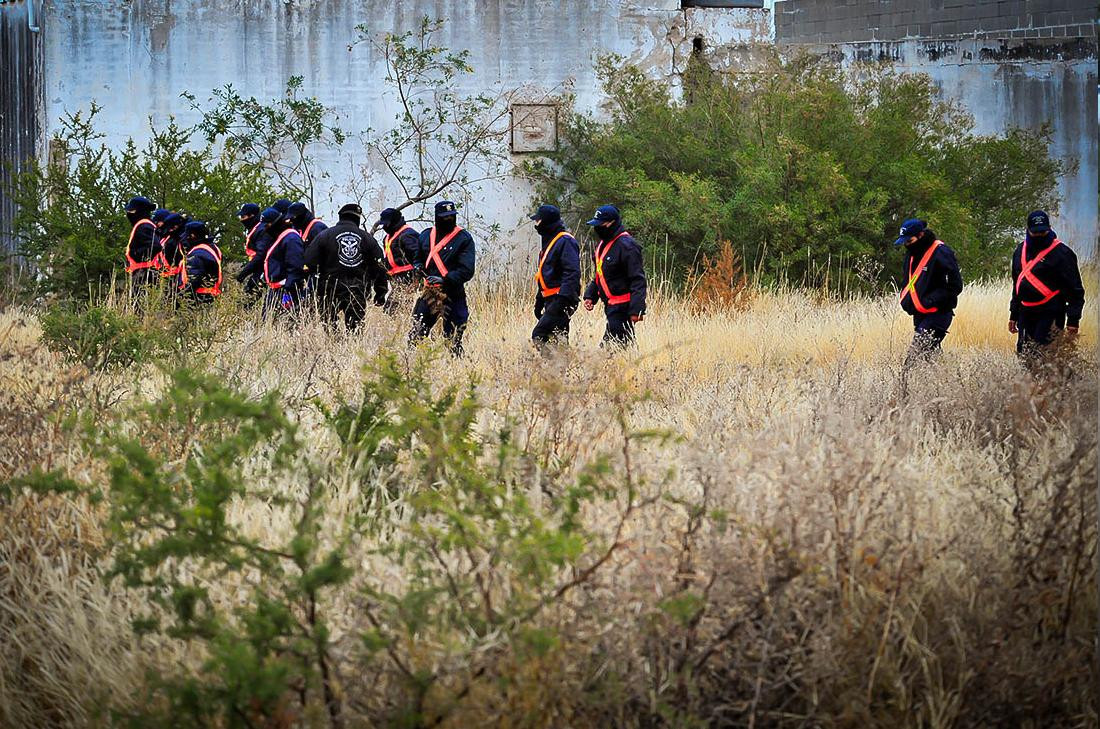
x,y
445,259
933,283
620,278
400,248
558,278
142,249
347,262
201,275
251,273
1047,293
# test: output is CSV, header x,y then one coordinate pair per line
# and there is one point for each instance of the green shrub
x,y
98,336
806,169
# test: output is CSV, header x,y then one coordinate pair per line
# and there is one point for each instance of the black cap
x,y
351,210
140,204
547,213
248,210
1038,222
604,213
388,215
282,205
445,209
271,215
196,229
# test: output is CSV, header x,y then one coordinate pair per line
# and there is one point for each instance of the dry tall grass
x,y
896,551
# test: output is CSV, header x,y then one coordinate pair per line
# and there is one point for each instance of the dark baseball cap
x,y
388,215
547,213
248,210
1038,222
445,208
604,213
911,227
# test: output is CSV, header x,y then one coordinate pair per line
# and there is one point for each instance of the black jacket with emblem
x,y
348,255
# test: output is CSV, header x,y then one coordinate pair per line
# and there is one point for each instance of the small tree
x,y
441,141
69,224
277,137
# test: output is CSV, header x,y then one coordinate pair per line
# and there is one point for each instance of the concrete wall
x,y
135,57
1014,63
833,21
21,101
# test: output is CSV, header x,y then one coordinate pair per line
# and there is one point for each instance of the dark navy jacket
x,y
406,248
173,248
623,269
254,268
458,257
939,283
1059,272
562,268
144,247
285,262
202,270
318,228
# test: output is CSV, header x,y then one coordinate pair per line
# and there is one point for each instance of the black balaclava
x,y
444,225
142,210
393,223
608,232
549,224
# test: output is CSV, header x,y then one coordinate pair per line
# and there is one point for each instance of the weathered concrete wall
x,y
20,100
830,21
1011,63
134,57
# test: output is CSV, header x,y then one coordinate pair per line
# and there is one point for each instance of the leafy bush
x,y
70,224
805,168
99,337
479,561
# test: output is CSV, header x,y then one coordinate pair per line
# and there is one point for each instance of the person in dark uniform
x,y
933,283
1047,293
201,276
172,248
399,247
303,220
445,259
249,215
557,278
142,249
282,264
620,277
252,272
346,262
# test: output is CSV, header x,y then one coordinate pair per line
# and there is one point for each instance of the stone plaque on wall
x,y
534,127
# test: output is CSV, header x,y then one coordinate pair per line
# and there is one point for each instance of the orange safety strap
x,y
1025,272
433,249
267,258
132,264
394,269
248,249
214,290
305,233
910,288
612,299
546,290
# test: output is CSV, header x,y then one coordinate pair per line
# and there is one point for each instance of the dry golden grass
x,y
893,559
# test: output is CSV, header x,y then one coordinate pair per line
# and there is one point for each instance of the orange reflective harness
x,y
305,233
394,269
602,281
248,249
214,290
267,258
132,264
546,290
911,287
1025,272
434,249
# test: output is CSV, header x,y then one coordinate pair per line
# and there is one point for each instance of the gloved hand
x,y
434,281
538,309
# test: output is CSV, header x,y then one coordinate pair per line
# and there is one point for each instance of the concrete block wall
x,y
847,21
